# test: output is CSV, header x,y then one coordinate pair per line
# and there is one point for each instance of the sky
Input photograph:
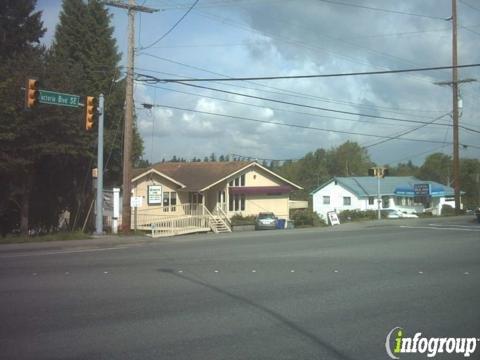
x,y
255,38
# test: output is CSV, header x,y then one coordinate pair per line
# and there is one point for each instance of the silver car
x,y
266,221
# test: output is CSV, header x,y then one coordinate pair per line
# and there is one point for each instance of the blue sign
x,y
422,189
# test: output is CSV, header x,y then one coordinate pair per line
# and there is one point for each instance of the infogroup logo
x,y
397,343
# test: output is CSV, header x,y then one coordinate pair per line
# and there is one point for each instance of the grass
x,y
62,236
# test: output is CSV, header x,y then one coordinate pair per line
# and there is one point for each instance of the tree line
x,y
350,159
46,155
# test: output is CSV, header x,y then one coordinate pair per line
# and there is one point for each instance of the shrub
x,y
357,215
306,217
239,219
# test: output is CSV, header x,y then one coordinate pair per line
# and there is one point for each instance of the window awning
x,y
260,190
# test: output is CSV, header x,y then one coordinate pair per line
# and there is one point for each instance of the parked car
x,y
397,214
266,221
477,214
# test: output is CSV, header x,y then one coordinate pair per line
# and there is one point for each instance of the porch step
x,y
219,226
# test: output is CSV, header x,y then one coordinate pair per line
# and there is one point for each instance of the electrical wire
x,y
294,125
317,107
381,9
285,91
269,107
283,77
397,136
171,29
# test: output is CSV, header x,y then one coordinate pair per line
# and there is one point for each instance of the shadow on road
x,y
288,323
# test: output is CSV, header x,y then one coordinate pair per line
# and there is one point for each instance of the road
x,y
303,294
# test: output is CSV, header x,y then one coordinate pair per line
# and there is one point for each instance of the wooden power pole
x,y
456,151
128,124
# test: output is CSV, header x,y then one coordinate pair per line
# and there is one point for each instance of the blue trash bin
x,y
281,224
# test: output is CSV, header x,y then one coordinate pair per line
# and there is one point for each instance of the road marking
x,y
215,271
292,271
420,272
453,225
466,273
59,252
254,271
180,271
439,228
105,272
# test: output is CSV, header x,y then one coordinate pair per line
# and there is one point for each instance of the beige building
x,y
178,198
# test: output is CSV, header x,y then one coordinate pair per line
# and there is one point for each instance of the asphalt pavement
x,y
330,293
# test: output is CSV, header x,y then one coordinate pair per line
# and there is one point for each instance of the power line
x,y
313,107
284,91
405,132
149,78
381,9
469,5
292,125
265,107
172,28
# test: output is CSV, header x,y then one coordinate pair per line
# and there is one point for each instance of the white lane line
x,y
215,271
439,228
453,225
292,271
64,252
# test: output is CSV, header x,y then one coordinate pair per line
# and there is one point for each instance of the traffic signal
x,y
31,93
379,172
89,112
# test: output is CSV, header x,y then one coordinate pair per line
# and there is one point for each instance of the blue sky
x,y
239,38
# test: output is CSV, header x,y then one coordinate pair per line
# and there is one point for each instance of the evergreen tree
x,y
83,60
20,57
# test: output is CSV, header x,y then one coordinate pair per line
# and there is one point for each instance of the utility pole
x,y
456,151
99,217
128,124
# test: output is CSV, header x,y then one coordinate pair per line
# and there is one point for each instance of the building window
x,y
239,181
347,201
371,200
236,203
173,201
166,201
326,200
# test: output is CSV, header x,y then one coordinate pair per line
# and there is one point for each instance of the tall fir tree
x,y
20,57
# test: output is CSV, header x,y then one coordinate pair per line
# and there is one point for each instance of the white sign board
x,y
333,218
136,201
154,195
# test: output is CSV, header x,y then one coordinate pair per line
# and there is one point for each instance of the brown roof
x,y
196,175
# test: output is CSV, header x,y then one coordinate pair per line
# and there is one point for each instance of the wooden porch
x,y
179,220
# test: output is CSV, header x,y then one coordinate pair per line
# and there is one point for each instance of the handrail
x,y
225,216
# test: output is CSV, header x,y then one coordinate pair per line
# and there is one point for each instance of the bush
x,y
357,215
238,219
447,210
307,217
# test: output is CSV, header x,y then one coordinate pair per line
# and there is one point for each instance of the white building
x,y
396,192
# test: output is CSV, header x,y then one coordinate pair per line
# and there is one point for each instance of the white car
x,y
397,214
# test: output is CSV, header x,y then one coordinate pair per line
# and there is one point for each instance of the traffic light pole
x,y
379,214
99,218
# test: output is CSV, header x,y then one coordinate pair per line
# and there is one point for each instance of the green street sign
x,y
56,98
